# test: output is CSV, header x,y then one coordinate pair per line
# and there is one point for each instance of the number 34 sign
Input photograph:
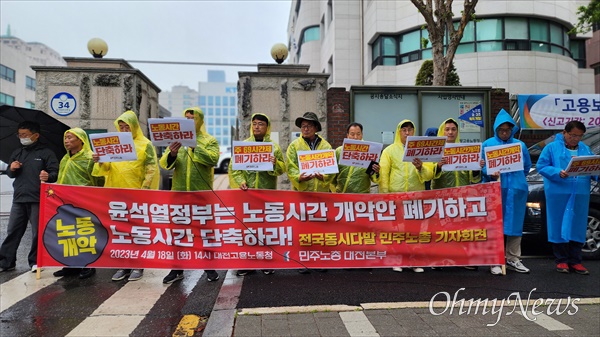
x,y
63,104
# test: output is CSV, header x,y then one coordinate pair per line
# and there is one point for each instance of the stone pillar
x,y
102,88
282,92
338,115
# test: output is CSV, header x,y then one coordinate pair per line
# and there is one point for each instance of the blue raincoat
x,y
513,184
568,199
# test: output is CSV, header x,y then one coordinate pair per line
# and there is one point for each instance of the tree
x,y
425,75
587,16
438,18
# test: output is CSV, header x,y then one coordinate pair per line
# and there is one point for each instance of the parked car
x,y
224,159
534,227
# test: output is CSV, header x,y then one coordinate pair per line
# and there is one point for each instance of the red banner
x,y
265,229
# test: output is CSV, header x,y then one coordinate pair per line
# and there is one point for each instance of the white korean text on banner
x,y
113,146
555,111
428,149
462,156
165,131
252,156
359,153
504,158
319,161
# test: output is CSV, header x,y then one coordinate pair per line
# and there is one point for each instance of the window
x,y
202,100
232,101
7,73
211,112
217,112
232,112
218,100
489,29
225,101
7,99
384,51
312,33
210,121
30,83
210,100
578,52
516,29
30,105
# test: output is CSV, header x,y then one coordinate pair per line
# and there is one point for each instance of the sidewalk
x,y
368,320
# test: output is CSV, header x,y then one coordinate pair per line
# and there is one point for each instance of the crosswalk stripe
x,y
124,310
548,322
23,286
357,324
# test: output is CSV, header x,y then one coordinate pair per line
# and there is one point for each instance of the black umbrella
x,y
51,135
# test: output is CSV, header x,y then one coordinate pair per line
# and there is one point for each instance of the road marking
x,y
358,324
23,286
547,322
120,314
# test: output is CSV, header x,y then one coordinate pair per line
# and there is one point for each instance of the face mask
x,y
26,141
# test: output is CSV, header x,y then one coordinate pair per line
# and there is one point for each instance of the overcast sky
x,y
223,31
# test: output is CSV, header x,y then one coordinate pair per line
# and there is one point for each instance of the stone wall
x,y
104,89
284,93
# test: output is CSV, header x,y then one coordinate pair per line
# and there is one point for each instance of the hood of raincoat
x,y
80,133
198,119
267,137
397,139
131,119
504,117
440,132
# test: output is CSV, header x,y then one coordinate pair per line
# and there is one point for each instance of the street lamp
x,y
279,52
97,47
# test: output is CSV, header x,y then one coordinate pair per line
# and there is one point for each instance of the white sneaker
x,y
397,269
418,270
496,270
517,266
34,268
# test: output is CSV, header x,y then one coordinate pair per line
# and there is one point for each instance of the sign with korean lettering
x,y
113,146
555,111
584,166
232,229
462,156
359,153
428,149
504,158
254,156
318,161
165,131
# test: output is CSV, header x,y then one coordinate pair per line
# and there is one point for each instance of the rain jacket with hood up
x,y
259,179
194,168
513,184
352,179
142,173
398,176
77,169
567,199
293,171
445,179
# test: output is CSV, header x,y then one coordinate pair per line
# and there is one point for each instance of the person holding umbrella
x,y
76,169
29,165
142,173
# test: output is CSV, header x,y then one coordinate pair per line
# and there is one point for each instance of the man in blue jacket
x,y
29,165
514,192
567,198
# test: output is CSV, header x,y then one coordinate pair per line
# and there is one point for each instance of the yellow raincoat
x,y
293,171
352,179
77,169
259,179
198,173
142,173
444,179
398,176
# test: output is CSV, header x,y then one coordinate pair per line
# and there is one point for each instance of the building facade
x,y
217,99
522,46
17,79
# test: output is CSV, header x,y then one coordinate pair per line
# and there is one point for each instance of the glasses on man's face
x,y
260,125
574,136
504,130
306,126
